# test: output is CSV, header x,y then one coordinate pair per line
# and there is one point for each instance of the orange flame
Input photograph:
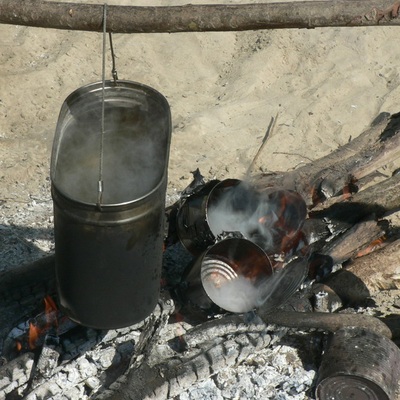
x,y
50,310
39,328
33,335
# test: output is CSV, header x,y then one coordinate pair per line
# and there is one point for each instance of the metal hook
x,y
114,70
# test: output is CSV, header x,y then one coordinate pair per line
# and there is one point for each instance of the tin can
x,y
359,364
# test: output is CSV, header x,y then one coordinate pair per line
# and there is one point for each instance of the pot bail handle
x,y
100,184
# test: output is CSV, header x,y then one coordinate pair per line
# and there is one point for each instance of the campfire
x,y
250,268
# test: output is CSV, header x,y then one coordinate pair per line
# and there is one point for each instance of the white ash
x,y
275,373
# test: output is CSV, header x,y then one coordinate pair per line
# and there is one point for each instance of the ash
x,y
26,228
277,371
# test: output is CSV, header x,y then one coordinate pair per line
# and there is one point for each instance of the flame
x,y
40,326
50,310
33,335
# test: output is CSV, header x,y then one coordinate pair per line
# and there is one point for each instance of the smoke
x,y
240,209
241,294
237,295
135,149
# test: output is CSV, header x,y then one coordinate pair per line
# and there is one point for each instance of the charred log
x,y
378,271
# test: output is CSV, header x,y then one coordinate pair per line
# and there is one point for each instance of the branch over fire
x,y
199,18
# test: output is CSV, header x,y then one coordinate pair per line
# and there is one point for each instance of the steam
x,y
269,220
135,150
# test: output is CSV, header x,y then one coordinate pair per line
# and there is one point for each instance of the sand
x,y
327,85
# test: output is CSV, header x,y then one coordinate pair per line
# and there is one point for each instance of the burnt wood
x,y
378,270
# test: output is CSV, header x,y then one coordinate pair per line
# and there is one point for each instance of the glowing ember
x,y
376,244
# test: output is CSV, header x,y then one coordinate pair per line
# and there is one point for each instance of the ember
x,y
31,334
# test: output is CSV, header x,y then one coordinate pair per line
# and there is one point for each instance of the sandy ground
x,y
223,88
326,85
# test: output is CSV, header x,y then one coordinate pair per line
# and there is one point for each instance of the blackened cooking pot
x,y
109,253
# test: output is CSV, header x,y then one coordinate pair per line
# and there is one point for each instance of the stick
x,y
270,129
199,18
330,322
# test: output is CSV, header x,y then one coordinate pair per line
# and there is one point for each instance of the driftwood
x,y
208,17
330,175
379,270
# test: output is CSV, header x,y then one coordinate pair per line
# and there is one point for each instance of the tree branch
x,y
200,18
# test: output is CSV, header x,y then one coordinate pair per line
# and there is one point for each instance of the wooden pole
x,y
200,18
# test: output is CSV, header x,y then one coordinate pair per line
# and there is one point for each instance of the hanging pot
x,y
108,248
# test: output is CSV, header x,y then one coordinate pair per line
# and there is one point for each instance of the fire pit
x,y
180,349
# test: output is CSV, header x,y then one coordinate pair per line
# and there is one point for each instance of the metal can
x,y
359,364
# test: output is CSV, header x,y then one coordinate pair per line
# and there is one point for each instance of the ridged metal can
x,y
360,365
231,274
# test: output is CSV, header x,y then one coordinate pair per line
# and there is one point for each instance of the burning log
x,y
22,289
80,360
